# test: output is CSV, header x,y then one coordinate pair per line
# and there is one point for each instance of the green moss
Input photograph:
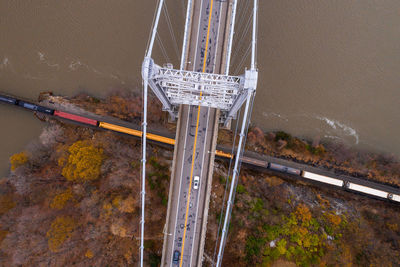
x,y
240,189
253,247
257,205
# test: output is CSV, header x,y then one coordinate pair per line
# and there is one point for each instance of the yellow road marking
x,y
195,137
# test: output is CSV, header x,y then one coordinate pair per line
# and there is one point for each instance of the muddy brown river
x,y
328,69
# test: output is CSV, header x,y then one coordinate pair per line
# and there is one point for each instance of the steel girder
x,y
174,87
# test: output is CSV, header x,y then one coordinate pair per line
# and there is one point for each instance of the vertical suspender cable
x,y
232,31
144,126
185,36
254,38
238,153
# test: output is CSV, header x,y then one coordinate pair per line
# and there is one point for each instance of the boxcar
x,y
74,117
27,105
8,100
46,110
120,129
322,178
367,190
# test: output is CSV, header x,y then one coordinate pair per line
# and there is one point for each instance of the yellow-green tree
x,y
61,229
83,162
18,159
61,199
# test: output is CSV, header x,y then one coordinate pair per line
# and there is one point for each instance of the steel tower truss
x,y
174,87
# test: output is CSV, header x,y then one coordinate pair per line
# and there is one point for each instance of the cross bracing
x,y
174,87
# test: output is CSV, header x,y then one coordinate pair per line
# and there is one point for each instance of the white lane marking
x,y
180,182
199,191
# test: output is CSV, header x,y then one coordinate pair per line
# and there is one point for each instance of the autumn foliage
x,y
18,160
61,229
83,162
61,199
6,203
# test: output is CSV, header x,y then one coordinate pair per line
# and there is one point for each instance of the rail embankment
x,y
335,156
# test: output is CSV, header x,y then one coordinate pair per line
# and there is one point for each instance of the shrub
x,y
258,205
253,247
89,254
83,163
154,260
283,136
3,234
18,160
60,200
303,213
61,229
6,203
240,189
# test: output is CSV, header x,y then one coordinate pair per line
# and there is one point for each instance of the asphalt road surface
x,y
196,134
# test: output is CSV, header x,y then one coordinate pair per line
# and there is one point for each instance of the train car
x,y
160,139
8,100
285,169
76,118
120,129
27,105
255,162
222,154
322,178
46,110
395,197
35,107
367,190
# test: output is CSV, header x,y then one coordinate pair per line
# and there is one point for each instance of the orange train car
x,y
120,129
151,136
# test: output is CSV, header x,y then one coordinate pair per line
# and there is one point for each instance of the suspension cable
x,y
226,184
242,17
186,34
242,30
163,50
244,128
231,33
171,31
144,130
240,165
151,32
234,177
241,44
243,60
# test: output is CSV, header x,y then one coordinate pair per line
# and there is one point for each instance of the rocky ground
x,y
72,198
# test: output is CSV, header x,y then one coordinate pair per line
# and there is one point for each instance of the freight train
x,y
347,185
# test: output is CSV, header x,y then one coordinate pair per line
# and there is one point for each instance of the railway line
x,y
352,184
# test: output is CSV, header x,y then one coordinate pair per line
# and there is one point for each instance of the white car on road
x,y
196,181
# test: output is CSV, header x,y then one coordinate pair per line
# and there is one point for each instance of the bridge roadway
x,y
196,141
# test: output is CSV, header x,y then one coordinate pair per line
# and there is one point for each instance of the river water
x,y
328,69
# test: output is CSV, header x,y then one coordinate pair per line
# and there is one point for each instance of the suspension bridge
x,y
201,95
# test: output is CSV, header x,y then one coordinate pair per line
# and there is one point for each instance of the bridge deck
x,y
196,141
